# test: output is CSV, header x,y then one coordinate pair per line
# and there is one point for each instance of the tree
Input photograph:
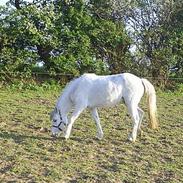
x,y
175,27
150,24
66,36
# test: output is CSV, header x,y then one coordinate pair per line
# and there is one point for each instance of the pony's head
x,y
58,125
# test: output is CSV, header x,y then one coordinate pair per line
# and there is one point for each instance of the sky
x,y
3,2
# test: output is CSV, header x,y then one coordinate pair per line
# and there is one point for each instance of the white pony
x,y
92,91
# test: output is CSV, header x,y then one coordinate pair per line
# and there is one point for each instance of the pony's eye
x,y
54,120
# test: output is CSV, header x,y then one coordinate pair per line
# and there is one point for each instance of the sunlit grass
x,y
29,155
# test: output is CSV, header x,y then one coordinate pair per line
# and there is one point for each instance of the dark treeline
x,y
144,37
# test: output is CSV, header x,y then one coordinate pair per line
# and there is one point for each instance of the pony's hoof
x,y
66,137
131,139
100,136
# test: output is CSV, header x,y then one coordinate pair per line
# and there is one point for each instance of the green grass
x,y
29,155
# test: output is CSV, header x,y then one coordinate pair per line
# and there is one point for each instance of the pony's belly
x,y
104,101
107,104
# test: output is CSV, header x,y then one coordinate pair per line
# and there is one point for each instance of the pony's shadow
x,y
18,138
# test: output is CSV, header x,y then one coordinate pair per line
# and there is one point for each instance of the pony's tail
x,y
152,109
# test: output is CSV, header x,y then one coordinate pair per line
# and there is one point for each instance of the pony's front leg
x,y
65,120
95,116
74,116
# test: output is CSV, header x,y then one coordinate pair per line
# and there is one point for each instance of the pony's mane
x,y
69,85
75,80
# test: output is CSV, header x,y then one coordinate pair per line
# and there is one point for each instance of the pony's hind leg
x,y
95,116
141,115
135,117
74,116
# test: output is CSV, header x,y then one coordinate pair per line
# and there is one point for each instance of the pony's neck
x,y
62,103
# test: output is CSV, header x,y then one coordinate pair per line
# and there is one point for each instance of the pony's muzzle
x,y
54,135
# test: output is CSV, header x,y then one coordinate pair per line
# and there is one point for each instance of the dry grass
x,y
29,155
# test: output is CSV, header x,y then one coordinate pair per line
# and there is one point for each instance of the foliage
x,y
76,36
22,85
65,36
156,28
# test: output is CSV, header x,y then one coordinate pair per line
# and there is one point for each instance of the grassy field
x,y
30,155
